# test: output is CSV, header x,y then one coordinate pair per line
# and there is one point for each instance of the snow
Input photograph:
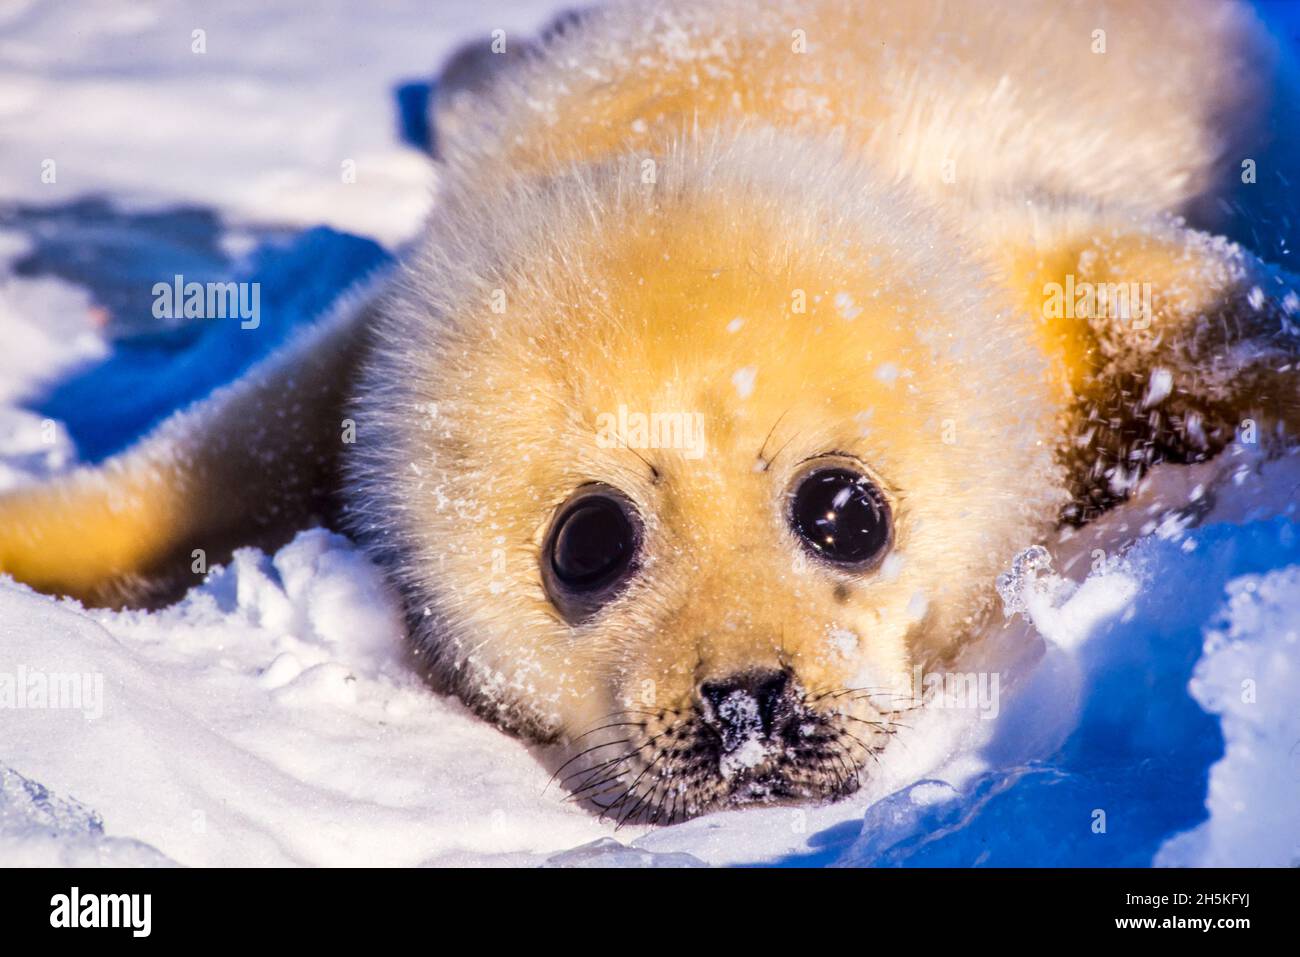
x,y
37,826
273,717
846,307
1252,659
887,373
743,380
259,124
1138,704
742,739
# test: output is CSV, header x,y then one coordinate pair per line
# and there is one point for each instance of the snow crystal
x,y
846,307
916,605
843,641
1014,585
1062,611
748,756
743,380
1159,388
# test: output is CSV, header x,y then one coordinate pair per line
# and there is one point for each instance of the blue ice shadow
x,y
413,104
156,366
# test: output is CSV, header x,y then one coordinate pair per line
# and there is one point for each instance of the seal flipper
x,y
1214,357
251,464
1171,344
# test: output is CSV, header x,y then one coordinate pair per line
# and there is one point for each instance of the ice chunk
x,y
1063,612
39,828
608,852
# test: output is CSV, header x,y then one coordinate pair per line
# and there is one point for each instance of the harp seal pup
x,y
746,344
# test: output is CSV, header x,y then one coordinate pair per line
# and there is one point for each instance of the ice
x,y
608,852
40,828
1019,584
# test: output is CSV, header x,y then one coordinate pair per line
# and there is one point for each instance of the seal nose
x,y
747,705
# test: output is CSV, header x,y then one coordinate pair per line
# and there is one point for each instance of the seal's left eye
x,y
841,516
589,551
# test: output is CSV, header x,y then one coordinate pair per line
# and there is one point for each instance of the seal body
x,y
744,346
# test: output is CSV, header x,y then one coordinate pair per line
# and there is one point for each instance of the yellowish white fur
x,y
633,321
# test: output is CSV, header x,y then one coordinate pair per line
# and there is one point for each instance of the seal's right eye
x,y
589,551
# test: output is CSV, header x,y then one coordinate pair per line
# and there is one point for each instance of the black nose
x,y
747,705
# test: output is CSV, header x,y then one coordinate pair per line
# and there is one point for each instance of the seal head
x,y
698,471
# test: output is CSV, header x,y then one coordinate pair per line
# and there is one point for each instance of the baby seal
x,y
745,345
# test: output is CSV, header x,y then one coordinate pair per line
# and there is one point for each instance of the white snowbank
x,y
1249,676
258,125
47,331
270,718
